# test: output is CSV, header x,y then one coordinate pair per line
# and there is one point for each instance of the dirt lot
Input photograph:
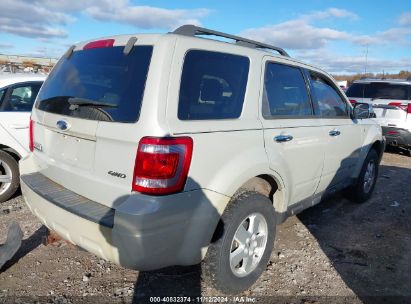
x,y
335,252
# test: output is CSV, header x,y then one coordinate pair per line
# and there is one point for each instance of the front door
x,y
292,133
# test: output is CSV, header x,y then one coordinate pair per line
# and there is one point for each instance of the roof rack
x,y
192,30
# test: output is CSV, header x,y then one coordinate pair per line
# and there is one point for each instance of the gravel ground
x,y
336,252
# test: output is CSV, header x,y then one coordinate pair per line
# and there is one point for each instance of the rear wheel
x,y
364,186
236,260
9,176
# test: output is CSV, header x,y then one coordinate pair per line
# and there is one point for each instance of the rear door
x,y
292,133
15,108
343,136
86,119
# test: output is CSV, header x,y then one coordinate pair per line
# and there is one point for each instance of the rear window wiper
x,y
76,101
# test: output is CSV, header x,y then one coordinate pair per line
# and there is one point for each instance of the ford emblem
x,y
63,125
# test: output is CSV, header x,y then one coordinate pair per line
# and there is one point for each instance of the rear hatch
x,y
389,99
392,115
379,92
85,120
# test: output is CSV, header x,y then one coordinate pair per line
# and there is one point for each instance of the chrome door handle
x,y
334,133
283,138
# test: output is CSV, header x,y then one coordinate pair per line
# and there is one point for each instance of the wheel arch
x,y
269,185
16,155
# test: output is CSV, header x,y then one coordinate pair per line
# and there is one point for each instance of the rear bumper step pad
x,y
68,200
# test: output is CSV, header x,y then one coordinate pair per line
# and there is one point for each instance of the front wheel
x,y
237,259
362,190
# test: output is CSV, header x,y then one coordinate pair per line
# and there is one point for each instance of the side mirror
x,y
363,111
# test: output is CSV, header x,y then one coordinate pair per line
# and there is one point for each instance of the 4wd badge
x,y
117,174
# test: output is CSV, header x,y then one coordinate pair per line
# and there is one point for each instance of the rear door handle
x,y
334,132
283,138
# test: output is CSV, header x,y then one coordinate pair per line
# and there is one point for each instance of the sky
x,y
334,35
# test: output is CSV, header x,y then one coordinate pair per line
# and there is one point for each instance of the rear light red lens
x,y
162,165
31,135
409,108
392,132
353,101
99,44
399,104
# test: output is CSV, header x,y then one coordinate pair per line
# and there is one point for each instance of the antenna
x,y
366,61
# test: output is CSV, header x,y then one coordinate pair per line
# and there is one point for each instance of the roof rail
x,y
192,30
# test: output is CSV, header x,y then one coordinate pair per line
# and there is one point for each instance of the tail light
x,y
353,101
409,108
31,135
162,164
400,105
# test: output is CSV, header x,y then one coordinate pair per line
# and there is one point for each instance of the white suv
x,y
17,95
159,150
391,100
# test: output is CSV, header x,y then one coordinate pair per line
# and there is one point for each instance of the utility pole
x,y
366,61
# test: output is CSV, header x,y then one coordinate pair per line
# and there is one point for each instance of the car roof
x,y
121,40
393,81
9,79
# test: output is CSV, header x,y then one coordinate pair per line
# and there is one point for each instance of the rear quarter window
x,y
212,86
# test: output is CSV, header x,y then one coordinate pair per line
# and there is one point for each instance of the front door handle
x,y
283,138
334,132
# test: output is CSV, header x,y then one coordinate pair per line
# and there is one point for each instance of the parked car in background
x,y
17,95
391,100
160,150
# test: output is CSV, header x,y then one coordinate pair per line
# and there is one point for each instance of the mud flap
x,y
12,245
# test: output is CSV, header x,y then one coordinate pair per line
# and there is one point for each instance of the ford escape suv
x,y
158,150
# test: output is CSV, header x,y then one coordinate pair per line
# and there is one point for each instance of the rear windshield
x,y
379,90
98,84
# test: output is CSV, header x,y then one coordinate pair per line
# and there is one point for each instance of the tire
x,y
362,190
8,168
239,216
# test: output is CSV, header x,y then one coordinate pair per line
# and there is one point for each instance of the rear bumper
x,y
397,136
141,232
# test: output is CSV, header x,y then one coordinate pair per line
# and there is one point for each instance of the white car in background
x,y
391,100
17,95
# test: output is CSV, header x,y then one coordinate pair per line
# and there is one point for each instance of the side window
x,y
328,100
212,86
285,92
22,98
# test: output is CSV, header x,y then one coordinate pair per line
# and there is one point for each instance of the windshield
x,y
105,84
380,90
